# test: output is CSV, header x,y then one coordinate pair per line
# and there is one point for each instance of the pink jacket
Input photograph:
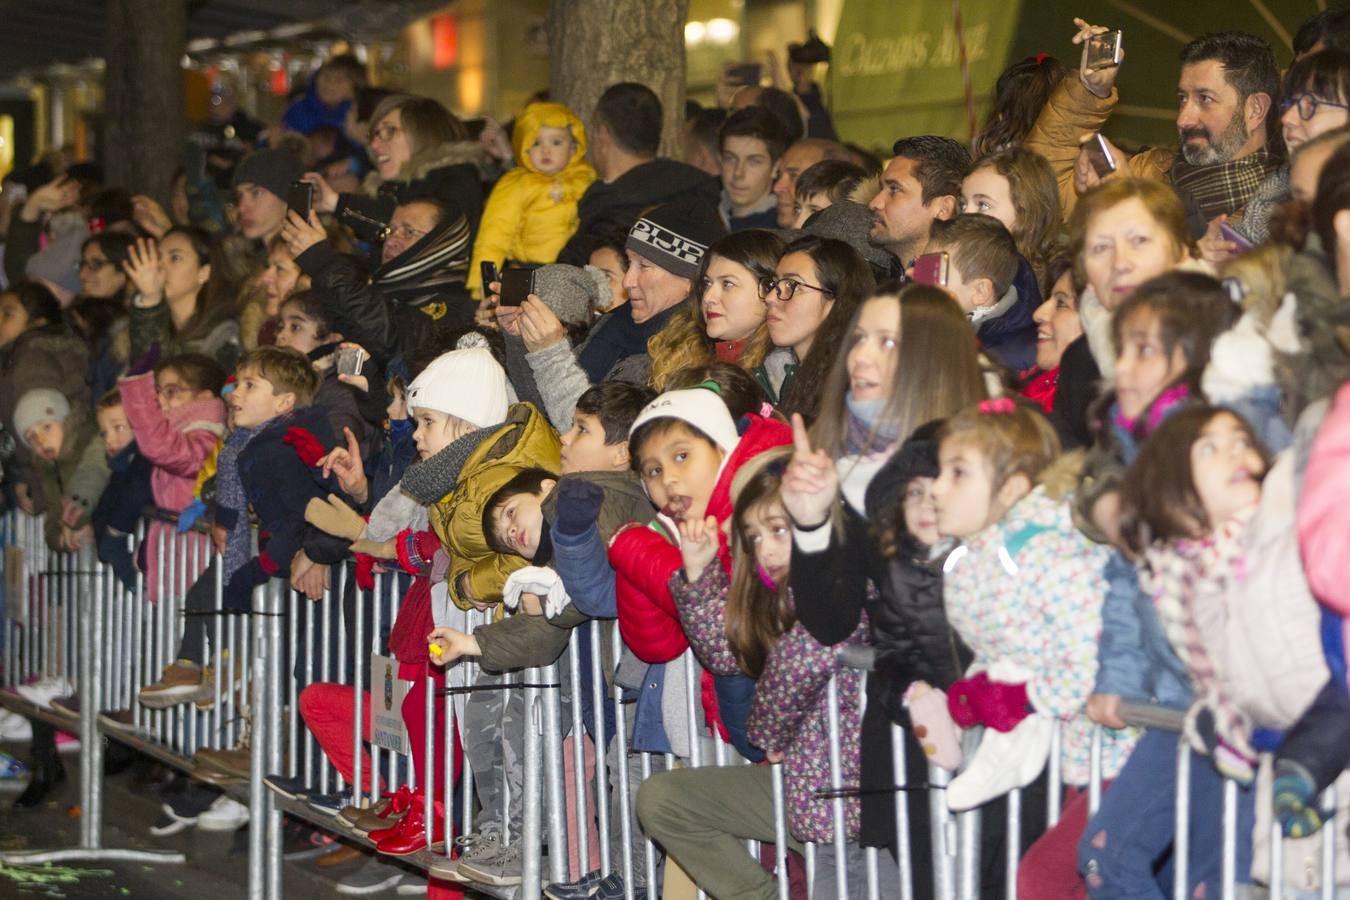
x,y
177,442
1324,508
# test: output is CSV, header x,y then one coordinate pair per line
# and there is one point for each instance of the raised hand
x,y
810,483
1085,177
150,216
698,546
301,234
146,271
56,194
1098,81
345,463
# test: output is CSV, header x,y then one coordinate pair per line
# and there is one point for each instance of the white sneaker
x,y
1002,762
15,728
223,815
42,693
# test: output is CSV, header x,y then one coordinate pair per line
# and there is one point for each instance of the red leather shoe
x,y
382,815
409,835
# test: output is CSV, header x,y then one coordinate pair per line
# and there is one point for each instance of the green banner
x,y
897,66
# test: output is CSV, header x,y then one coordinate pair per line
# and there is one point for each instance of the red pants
x,y
1049,870
329,711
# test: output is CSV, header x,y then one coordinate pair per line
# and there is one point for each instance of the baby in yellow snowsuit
x,y
532,211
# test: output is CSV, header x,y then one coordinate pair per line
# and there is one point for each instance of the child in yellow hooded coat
x,y
532,211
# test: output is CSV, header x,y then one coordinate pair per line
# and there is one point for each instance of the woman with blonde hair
x,y
725,321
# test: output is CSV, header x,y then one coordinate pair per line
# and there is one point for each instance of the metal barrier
x,y
67,615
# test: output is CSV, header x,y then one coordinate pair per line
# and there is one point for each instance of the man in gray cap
x,y
261,181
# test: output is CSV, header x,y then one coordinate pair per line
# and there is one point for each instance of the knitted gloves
x,y
995,704
579,505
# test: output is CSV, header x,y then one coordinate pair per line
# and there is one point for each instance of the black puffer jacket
x,y
360,311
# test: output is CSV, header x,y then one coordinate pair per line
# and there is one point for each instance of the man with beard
x,y
1225,93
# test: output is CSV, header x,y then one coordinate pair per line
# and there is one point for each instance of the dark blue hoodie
x,y
1010,338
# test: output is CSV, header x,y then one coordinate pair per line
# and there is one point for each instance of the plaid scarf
x,y
230,494
1223,188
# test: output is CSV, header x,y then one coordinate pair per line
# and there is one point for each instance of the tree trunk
x,y
595,43
143,129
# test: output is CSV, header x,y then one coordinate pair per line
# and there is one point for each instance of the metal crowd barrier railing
x,y
58,606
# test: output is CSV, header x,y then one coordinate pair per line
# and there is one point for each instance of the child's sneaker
x,y
581,889
12,769
181,682
503,869
15,728
43,692
375,875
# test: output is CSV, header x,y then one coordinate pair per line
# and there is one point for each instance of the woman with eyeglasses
x,y
725,323
182,301
1315,100
816,286
99,314
419,149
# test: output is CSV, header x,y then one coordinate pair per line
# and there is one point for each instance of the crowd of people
x,y
1054,428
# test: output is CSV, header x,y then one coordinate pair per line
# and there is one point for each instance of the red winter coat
x,y
644,560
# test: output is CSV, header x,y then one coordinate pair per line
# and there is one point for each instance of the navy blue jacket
x,y
1011,337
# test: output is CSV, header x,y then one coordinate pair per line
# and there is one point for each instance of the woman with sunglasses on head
x,y
816,287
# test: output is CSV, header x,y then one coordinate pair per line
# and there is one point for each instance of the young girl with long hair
x,y
182,300
1017,187
1025,592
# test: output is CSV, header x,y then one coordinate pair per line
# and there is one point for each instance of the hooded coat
x,y
79,473
524,441
46,357
530,215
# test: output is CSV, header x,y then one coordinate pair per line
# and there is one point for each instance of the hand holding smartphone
x,y
300,197
517,284
1099,155
1105,51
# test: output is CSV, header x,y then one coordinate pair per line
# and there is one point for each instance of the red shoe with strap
x,y
409,835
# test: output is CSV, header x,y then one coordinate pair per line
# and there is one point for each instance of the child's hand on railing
x,y
452,645
698,546
73,539
1104,709
308,577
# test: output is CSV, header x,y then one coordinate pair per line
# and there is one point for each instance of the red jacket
x,y
644,560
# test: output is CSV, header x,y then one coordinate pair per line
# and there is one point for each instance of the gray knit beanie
x,y
572,291
37,406
850,222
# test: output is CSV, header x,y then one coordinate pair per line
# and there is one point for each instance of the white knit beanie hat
x,y
467,384
699,406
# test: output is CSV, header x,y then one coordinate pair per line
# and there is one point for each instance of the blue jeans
x,y
1125,853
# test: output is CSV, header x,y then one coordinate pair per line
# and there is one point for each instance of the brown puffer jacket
x,y
524,441
1072,112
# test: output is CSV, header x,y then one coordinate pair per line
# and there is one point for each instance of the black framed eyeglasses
x,y
1307,105
785,288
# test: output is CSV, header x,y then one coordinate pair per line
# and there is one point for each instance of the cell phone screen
x,y
1104,50
1100,156
931,268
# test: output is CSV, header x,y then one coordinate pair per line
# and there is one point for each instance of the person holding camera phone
x,y
1226,86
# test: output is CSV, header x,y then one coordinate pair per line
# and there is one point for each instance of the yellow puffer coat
x,y
525,441
529,215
